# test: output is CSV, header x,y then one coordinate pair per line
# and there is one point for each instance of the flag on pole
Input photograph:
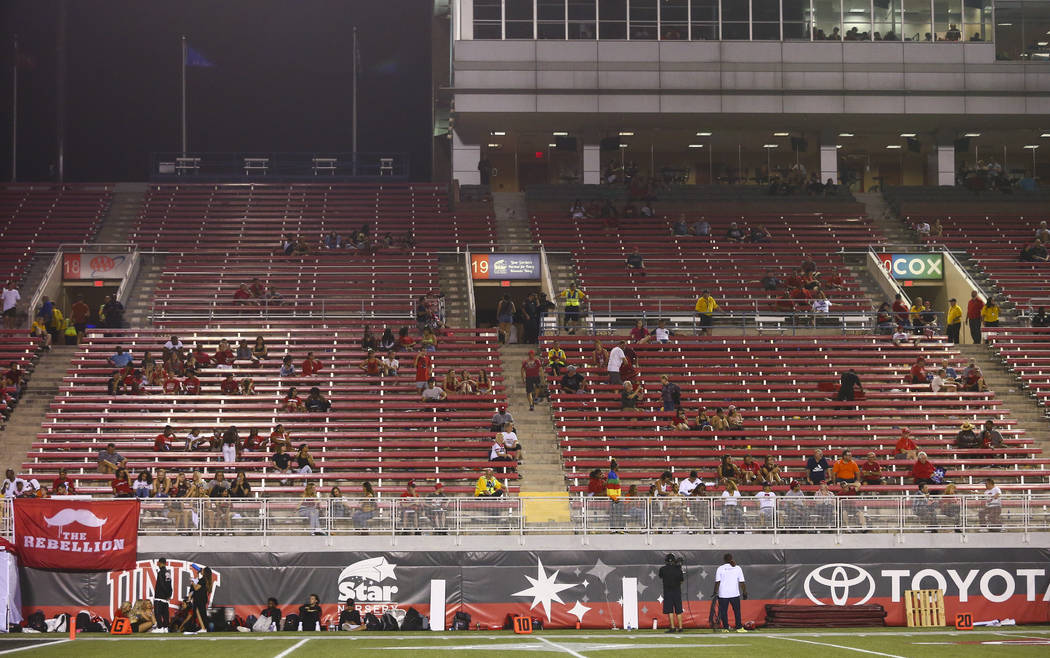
x,y
194,57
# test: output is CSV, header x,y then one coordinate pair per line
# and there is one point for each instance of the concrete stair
x,y
511,218
1007,387
452,279
24,424
123,213
541,470
139,307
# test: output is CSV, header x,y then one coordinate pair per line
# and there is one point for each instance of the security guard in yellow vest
x,y
705,308
572,296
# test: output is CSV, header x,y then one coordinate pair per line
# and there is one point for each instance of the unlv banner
x,y
77,535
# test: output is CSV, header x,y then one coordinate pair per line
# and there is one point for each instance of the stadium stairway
x,y
21,429
1030,417
886,221
128,199
541,471
139,307
512,218
452,280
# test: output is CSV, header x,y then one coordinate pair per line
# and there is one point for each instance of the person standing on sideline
x,y
973,316
729,589
953,322
162,595
672,577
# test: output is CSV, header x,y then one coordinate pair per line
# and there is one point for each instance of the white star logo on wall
x,y
544,589
579,611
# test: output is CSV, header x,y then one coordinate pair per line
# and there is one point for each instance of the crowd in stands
x,y
362,241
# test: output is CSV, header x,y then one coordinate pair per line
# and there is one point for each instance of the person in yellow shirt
x,y
990,313
556,358
953,322
573,297
488,486
705,308
915,314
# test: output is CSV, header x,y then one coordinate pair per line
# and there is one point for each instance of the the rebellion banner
x,y
76,535
587,586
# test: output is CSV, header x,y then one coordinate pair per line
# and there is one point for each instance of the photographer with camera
x,y
672,576
729,589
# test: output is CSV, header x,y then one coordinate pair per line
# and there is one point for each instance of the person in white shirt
x,y
685,488
992,512
661,334
766,503
174,345
616,357
10,301
510,441
433,392
732,516
923,229
729,589
390,364
11,484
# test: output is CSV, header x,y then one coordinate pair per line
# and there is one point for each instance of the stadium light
x,y
838,146
703,134
908,134
771,146
1031,146
696,146
1045,135
971,134
893,146
553,146
781,134
560,134
845,134
494,146
498,133
627,134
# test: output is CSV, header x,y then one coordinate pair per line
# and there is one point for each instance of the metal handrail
x,y
963,513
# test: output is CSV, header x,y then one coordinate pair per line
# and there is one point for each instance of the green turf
x,y
895,643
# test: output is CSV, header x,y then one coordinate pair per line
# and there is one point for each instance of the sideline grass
x,y
892,643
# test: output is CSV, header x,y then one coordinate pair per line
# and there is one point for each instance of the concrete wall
x,y
890,78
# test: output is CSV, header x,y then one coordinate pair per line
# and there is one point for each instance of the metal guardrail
x,y
357,307
585,516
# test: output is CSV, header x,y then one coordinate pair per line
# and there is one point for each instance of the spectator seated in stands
x,y
389,364
1040,318
273,297
229,385
201,357
903,338
371,366
282,461
499,419
287,367
109,460
595,483
451,382
766,503
304,461
191,385
884,320
630,396
771,282
511,442
316,402
498,451
728,472
871,470
967,437
488,486
280,436
846,469
770,471
121,484
164,440
120,358
991,513
817,467
429,340
733,420
571,381
918,371
700,229
247,386
734,233
635,262
577,210
243,294
292,401
405,342
759,234
467,384
639,334
905,447
680,227
1034,252
990,437
923,470
679,421
661,334
750,470
555,358
387,341
259,350
973,380
433,392
224,356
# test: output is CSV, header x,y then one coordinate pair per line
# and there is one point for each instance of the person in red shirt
x,y
639,334
371,365
279,436
172,385
80,314
409,511
905,448
404,341
311,365
257,288
163,441
292,401
973,316
63,480
202,358
191,385
253,441
918,371
871,470
922,470
901,310
422,364
230,386
121,485
749,469
223,356
242,294
531,368
596,483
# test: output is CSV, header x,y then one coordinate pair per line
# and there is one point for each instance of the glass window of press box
x,y
1018,26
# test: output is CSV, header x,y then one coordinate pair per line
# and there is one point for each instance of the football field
x,y
894,643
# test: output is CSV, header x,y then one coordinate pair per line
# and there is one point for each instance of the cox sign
x,y
926,267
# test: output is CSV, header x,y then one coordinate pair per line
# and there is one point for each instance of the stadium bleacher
x,y
776,383
1026,352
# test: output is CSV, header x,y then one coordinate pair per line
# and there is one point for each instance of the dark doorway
x,y
487,297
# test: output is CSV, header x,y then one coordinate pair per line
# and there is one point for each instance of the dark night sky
x,y
281,80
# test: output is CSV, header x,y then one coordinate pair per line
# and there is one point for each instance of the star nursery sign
x,y
544,589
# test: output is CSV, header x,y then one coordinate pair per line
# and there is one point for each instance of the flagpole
x,y
353,142
182,96
14,115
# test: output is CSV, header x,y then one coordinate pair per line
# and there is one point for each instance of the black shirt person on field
x,y
310,614
672,576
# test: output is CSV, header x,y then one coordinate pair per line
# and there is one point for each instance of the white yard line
x,y
835,646
34,645
292,648
560,647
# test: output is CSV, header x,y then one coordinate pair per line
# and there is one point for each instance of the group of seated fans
x,y
361,241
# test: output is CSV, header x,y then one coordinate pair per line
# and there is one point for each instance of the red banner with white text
x,y
77,535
